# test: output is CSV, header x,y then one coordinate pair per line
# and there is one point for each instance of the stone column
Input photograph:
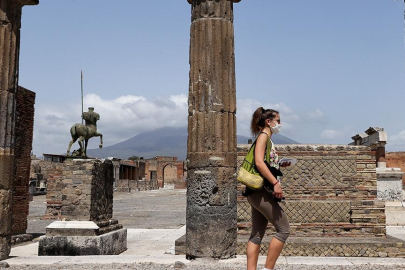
x,y
380,155
10,24
211,145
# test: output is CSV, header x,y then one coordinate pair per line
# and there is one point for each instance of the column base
x,y
79,238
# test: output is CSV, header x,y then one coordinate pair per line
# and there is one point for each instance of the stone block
x,y
5,212
395,213
389,185
72,228
219,225
180,245
212,186
211,159
112,243
211,210
83,194
5,247
6,170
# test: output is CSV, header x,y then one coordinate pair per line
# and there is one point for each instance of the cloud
x,y
396,142
126,116
316,115
246,108
331,134
293,122
120,119
397,139
337,136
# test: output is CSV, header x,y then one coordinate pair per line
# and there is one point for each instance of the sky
x,y
332,68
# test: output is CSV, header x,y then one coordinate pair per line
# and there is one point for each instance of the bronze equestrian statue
x,y
85,132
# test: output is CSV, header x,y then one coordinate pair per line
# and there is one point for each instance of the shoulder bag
x,y
248,174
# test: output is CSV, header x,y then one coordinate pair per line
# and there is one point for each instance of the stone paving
x,y
155,209
151,242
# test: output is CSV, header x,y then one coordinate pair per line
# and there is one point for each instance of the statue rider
x,y
83,132
91,118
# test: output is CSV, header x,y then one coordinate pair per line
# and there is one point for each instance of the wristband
x,y
276,183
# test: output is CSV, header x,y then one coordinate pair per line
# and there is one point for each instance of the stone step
x,y
395,213
334,246
324,229
323,246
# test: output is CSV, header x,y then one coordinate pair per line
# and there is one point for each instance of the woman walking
x,y
265,202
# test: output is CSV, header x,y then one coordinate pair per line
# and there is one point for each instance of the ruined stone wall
x,y
331,191
158,167
124,185
170,174
44,167
166,158
141,169
24,129
150,165
80,190
10,17
175,176
396,160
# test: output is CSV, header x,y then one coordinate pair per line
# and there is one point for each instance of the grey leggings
x,y
265,209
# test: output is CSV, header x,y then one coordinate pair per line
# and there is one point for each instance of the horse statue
x,y
85,132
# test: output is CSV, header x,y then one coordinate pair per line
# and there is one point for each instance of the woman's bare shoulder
x,y
262,138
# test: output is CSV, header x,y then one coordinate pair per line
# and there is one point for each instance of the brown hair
x,y
258,118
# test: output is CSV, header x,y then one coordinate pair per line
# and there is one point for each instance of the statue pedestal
x,y
80,197
389,184
78,238
80,189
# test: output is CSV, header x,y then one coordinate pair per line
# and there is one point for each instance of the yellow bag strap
x,y
250,156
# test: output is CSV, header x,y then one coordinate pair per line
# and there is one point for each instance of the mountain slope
x,y
161,142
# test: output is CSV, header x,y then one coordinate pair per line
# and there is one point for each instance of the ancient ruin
x,y
10,16
389,179
396,160
390,175
130,176
24,131
345,188
331,202
168,171
211,146
80,197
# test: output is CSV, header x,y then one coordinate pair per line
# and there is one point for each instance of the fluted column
x,y
211,144
10,24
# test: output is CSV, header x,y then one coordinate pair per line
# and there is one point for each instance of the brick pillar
x,y
10,17
24,128
136,173
180,171
211,145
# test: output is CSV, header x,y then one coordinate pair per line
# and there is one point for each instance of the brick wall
x,y
331,191
396,160
150,166
176,177
24,129
80,190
